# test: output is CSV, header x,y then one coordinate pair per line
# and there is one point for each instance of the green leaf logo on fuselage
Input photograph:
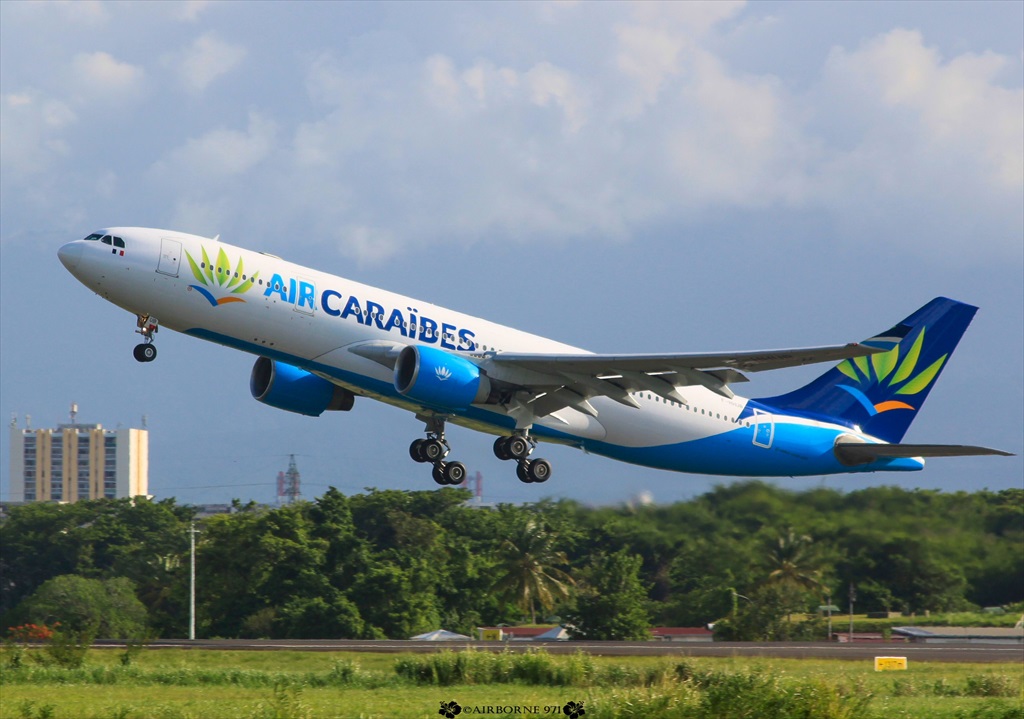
x,y
220,277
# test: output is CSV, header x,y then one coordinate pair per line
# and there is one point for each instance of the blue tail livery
x,y
882,393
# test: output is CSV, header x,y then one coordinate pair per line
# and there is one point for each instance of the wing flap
x,y
557,381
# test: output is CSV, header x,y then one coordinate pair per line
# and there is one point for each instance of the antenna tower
x,y
477,480
288,483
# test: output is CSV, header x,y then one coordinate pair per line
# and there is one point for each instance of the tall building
x,y
78,461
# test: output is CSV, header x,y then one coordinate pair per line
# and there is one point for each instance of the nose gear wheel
x,y
147,326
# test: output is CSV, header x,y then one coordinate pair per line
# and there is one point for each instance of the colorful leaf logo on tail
x,y
886,375
220,277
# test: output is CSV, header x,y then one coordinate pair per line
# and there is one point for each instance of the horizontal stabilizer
x,y
852,454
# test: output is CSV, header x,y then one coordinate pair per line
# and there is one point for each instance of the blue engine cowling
x,y
439,379
296,390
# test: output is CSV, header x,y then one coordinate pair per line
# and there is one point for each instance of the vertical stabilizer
x,y
882,393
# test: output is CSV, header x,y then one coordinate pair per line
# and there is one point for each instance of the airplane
x,y
323,340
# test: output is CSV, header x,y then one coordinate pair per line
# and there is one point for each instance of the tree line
x,y
390,564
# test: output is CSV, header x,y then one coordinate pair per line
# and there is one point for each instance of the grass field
x,y
174,683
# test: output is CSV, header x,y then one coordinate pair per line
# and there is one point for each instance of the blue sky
x,y
622,177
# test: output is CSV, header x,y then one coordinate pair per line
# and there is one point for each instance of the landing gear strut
x,y
433,449
146,326
519,447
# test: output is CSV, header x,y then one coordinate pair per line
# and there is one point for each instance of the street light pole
x,y
192,583
853,595
828,605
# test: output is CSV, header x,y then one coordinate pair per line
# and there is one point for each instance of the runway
x,y
964,652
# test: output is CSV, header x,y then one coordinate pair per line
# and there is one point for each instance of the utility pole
x,y
192,583
828,608
853,595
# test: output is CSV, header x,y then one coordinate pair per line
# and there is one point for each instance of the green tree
x,y
105,608
611,602
789,560
763,617
138,539
528,573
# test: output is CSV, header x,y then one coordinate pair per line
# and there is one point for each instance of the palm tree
x,y
790,558
527,570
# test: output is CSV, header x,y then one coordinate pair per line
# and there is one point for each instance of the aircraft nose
x,y
70,255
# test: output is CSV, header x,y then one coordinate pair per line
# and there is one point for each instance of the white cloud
x,y
31,134
368,245
611,119
441,84
99,74
649,56
947,109
190,10
548,84
734,141
205,161
205,60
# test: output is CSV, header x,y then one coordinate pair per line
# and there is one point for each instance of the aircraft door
x,y
170,257
764,429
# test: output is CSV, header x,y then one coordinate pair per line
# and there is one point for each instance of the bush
x,y
989,685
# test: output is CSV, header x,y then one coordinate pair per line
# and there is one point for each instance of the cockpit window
x,y
107,240
94,236
118,242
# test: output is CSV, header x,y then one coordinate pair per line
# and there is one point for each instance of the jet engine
x,y
440,379
295,390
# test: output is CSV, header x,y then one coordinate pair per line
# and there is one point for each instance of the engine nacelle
x,y
439,378
296,390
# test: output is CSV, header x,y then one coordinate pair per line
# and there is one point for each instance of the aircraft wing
x,y
550,382
751,361
539,384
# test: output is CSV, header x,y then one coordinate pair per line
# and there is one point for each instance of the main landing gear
x,y
146,326
434,449
519,447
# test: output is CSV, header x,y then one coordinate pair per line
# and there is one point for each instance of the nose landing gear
x,y
146,326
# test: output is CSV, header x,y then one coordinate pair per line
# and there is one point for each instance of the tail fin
x,y
882,393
